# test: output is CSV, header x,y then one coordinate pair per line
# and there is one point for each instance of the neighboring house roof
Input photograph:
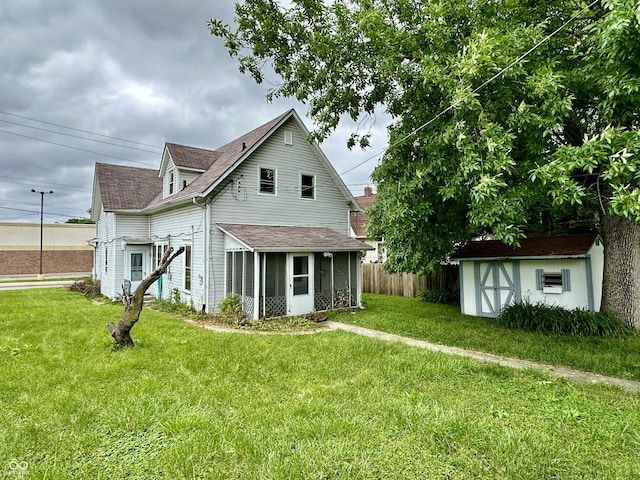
x,y
287,239
140,193
360,219
126,188
556,246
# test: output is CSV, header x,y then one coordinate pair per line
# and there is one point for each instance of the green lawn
x,y
188,403
444,324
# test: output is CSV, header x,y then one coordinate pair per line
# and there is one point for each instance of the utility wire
x,y
30,181
82,131
75,148
78,136
476,90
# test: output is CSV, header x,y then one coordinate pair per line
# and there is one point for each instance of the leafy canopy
x,y
553,136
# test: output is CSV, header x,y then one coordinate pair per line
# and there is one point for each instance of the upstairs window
x,y
267,181
307,186
171,182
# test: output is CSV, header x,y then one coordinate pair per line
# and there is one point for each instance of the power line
x,y
65,215
29,181
77,136
476,90
76,148
78,130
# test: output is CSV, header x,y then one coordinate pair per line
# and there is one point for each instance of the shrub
x,y
540,317
174,304
231,310
86,286
446,297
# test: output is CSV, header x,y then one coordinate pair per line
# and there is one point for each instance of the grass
x,y
188,403
444,324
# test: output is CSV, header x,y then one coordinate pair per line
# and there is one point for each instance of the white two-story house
x,y
265,216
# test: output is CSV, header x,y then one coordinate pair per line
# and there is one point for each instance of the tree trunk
x,y
133,302
621,282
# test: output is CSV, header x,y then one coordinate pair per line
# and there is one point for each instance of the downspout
x,y
205,251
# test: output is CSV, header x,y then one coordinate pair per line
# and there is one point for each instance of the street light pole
x,y
41,275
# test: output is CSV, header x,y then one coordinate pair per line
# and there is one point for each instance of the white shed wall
x,y
580,279
578,297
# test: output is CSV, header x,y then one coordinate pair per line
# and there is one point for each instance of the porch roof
x,y
277,238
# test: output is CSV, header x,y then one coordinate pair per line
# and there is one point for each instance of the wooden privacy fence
x,y
376,280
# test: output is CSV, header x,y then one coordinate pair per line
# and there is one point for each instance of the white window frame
x,y
313,186
171,181
159,250
547,280
188,255
275,180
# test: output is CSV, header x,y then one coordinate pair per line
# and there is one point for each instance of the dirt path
x,y
575,375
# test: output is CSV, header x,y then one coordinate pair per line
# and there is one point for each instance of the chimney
x,y
367,191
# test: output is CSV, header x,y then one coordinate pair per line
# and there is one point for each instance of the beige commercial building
x,y
66,249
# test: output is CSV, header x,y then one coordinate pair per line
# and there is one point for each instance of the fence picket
x,y
376,280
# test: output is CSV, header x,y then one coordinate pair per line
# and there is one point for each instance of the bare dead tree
x,y
133,301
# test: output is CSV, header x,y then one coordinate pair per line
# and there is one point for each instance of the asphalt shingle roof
x,y
184,156
130,188
565,245
288,239
127,188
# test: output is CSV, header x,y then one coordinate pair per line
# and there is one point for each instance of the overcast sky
x,y
147,71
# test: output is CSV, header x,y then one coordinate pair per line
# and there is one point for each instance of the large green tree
x,y
508,115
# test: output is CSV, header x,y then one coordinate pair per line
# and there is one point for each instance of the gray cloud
x,y
144,70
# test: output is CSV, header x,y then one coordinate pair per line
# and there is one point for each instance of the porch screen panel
x,y
248,283
354,260
341,277
322,282
274,292
229,273
238,270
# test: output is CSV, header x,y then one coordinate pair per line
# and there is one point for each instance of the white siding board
x,y
177,225
329,208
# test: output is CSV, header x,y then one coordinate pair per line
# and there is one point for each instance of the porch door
x,y
498,285
300,298
137,267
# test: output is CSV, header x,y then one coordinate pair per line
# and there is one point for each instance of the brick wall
x,y
25,262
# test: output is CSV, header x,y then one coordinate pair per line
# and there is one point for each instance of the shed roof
x,y
551,246
276,238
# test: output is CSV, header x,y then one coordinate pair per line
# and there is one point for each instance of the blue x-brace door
x,y
498,285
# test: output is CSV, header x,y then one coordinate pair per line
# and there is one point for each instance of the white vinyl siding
x,y
180,227
286,208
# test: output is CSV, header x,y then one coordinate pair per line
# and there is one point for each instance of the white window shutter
x,y
566,279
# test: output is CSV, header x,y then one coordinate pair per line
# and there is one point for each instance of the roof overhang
x,y
283,239
520,258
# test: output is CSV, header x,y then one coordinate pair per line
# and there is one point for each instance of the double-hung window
x,y
267,180
307,186
187,267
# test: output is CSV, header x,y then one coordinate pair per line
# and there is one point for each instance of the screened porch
x,y
331,277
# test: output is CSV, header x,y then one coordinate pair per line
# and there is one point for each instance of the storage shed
x,y
564,271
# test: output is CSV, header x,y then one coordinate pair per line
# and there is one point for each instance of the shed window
x,y
553,282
